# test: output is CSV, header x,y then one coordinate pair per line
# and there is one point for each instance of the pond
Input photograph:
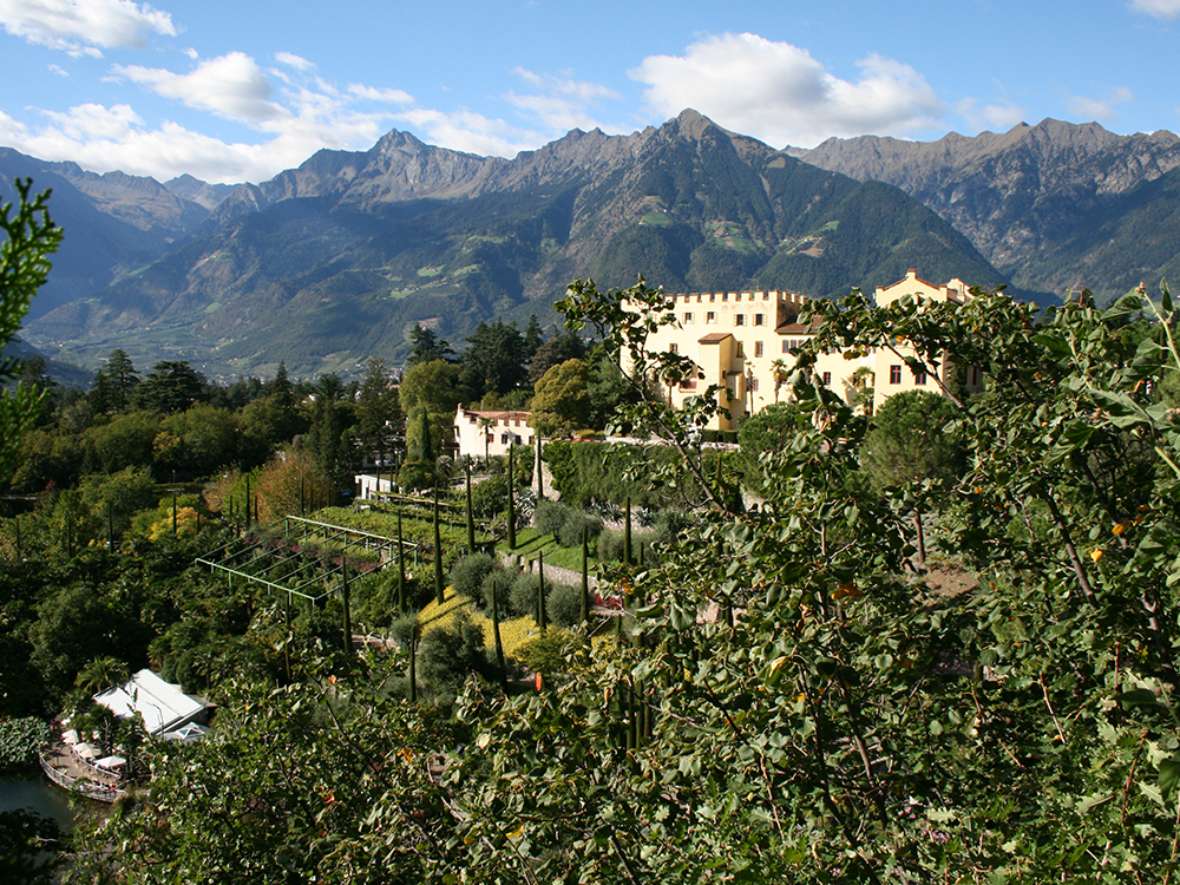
x,y
33,792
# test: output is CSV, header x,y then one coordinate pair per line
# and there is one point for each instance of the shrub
x,y
468,574
522,598
447,654
668,524
571,530
563,605
416,476
20,739
490,496
499,582
550,516
609,547
548,653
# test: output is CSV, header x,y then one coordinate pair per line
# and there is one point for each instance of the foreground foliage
x,y
790,698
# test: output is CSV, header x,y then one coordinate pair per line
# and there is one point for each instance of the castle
x,y
742,341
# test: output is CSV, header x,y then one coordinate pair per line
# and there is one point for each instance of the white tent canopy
x,y
110,763
86,751
162,705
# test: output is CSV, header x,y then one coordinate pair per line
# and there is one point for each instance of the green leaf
x,y
1169,774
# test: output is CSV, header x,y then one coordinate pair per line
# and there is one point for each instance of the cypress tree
x,y
540,475
346,598
174,514
438,569
584,610
511,503
541,590
627,533
287,638
401,565
470,516
413,661
496,633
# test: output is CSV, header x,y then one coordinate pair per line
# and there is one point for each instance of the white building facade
x,y
745,343
489,434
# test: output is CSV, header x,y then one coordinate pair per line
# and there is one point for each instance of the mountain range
x,y
1055,206
327,264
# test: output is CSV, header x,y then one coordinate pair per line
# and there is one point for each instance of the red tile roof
x,y
714,338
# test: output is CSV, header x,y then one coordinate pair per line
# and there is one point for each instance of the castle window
x,y
757,348
674,347
759,319
827,379
688,317
895,374
740,319
920,376
710,317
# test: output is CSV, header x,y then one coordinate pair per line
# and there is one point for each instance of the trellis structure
x,y
287,565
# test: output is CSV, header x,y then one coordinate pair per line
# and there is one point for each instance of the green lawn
x,y
530,543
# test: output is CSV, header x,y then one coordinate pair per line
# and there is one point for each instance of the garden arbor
x,y
310,560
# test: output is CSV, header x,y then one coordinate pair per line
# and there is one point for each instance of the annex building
x,y
485,433
745,342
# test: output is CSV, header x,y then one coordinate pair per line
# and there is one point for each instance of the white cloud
x,y
997,116
291,60
294,112
192,53
118,140
465,130
385,96
295,115
232,86
84,28
1158,8
57,70
1100,108
562,103
95,121
781,94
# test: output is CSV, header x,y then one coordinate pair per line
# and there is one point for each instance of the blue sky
x,y
239,91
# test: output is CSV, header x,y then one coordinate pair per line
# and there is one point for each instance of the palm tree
x,y
101,674
487,424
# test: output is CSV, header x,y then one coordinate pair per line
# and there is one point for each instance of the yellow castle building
x,y
743,341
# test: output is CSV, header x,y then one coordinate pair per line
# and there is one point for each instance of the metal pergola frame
x,y
256,561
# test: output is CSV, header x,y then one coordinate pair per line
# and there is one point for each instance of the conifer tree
x,y
438,569
541,619
627,533
584,603
470,515
401,565
511,502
